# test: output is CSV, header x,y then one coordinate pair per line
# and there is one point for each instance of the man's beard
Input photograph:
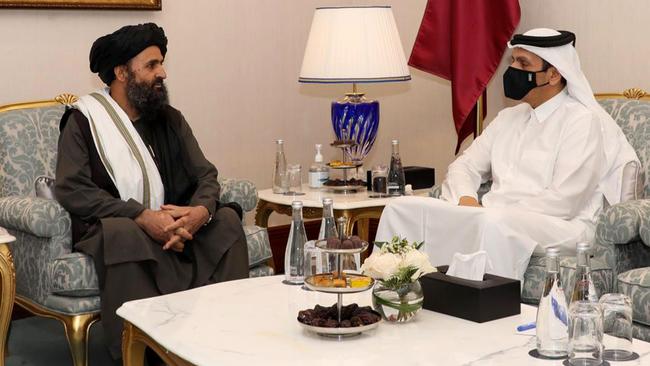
x,y
148,99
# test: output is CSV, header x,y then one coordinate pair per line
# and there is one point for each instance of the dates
x,y
352,315
341,182
353,242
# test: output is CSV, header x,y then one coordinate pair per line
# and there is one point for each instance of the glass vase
x,y
399,304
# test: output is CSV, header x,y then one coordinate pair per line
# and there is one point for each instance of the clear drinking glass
x,y
380,181
585,334
617,327
294,171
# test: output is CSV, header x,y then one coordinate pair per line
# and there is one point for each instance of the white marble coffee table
x,y
253,322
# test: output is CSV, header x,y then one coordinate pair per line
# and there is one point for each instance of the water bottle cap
x,y
552,252
280,141
327,201
319,156
395,142
582,247
296,204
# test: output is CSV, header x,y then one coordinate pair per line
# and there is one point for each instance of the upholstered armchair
x,y
623,230
51,279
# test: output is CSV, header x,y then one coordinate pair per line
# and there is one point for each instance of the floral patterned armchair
x,y
51,279
623,230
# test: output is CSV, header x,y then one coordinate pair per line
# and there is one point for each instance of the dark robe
x,y
130,265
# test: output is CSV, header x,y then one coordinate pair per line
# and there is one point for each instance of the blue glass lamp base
x,y
356,118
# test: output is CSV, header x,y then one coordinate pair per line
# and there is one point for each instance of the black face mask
x,y
517,83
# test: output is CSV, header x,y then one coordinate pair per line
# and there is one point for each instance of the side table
x,y
357,208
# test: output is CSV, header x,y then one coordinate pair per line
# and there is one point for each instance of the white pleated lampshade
x,y
354,45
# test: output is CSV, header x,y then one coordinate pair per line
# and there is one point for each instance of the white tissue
x,y
470,266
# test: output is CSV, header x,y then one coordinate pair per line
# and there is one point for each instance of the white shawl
x,y
123,153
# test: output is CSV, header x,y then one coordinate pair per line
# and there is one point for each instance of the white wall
x,y
233,67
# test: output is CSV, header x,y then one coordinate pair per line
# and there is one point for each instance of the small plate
x,y
340,290
345,332
345,188
322,245
348,165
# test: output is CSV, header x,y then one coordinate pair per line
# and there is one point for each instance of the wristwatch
x,y
209,219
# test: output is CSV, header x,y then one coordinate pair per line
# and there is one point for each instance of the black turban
x,y
122,45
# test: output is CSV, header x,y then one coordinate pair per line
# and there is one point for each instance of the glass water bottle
x,y
294,255
280,178
328,225
396,180
325,262
584,289
552,321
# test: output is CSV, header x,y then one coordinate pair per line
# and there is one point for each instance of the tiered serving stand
x,y
346,166
340,291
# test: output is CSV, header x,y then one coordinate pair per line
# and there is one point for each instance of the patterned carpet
x,y
38,341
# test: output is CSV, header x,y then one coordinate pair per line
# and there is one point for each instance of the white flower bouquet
x,y
398,262
397,266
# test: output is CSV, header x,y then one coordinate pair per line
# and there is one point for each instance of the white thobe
x,y
545,165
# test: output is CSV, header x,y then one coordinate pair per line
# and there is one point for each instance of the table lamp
x,y
356,44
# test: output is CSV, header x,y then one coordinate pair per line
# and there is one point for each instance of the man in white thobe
x,y
551,160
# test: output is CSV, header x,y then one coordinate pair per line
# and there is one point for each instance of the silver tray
x,y
345,332
350,165
340,290
322,245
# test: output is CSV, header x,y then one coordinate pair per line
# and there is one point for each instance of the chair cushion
x,y
259,247
632,182
635,283
44,187
535,274
74,275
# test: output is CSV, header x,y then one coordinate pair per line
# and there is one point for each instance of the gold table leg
x,y
7,295
134,342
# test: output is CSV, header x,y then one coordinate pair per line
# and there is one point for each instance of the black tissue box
x,y
480,301
419,177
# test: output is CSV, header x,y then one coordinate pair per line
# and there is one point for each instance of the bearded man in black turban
x,y
143,199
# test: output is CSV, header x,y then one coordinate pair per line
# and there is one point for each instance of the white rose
x,y
418,260
381,266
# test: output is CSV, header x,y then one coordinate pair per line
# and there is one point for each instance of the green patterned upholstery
x,y
636,284
535,275
48,272
623,230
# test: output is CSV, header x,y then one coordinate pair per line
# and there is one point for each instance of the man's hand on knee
x,y
468,201
154,223
189,218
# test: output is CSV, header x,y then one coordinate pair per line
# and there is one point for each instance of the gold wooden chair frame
x,y
76,326
631,93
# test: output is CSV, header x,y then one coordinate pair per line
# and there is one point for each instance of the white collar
x,y
544,110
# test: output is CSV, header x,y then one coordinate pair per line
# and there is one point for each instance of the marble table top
x,y
253,322
342,201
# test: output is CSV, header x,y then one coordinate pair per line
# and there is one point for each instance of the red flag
x,y
463,41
